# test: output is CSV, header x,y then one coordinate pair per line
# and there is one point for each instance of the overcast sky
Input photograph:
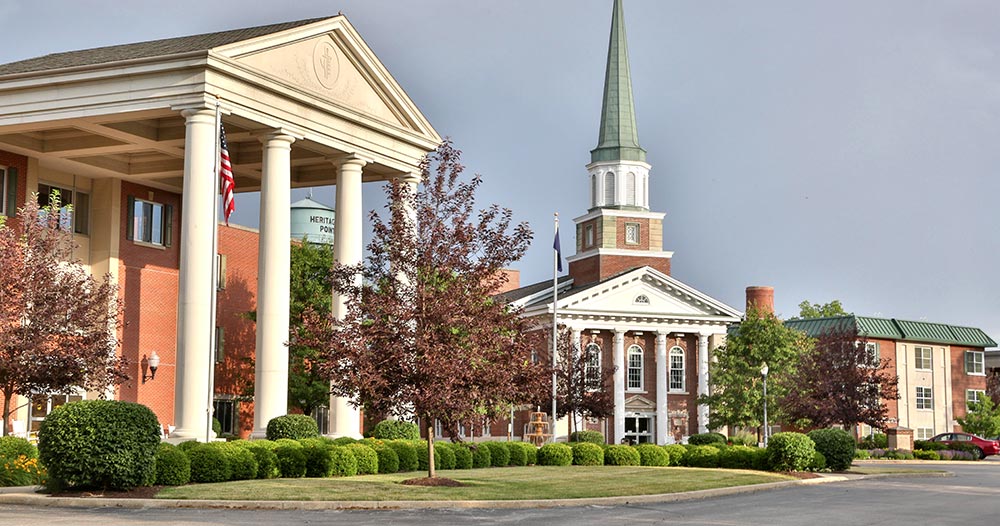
x,y
834,150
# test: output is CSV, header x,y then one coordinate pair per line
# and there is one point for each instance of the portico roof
x,y
115,111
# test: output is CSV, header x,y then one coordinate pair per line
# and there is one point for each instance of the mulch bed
x,y
433,482
144,492
800,474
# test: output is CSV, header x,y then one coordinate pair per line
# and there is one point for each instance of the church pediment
x,y
639,404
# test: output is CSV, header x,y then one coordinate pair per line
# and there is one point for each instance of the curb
x,y
36,500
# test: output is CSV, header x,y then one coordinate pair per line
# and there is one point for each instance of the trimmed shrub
x,y
100,443
761,459
173,468
423,456
530,452
836,445
343,463
406,455
927,445
707,439
446,454
343,441
463,456
365,457
291,461
743,438
267,461
388,460
621,455
292,426
216,426
480,456
287,442
789,451
242,463
13,447
594,437
875,441
926,455
188,445
862,454
587,454
319,463
818,462
499,454
652,455
396,430
737,457
555,455
702,457
518,456
209,464
676,452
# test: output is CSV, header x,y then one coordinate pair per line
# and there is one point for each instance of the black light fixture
x,y
153,362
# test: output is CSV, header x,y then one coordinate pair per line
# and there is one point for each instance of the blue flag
x,y
555,245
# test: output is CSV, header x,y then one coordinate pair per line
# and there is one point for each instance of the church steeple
x,y
619,137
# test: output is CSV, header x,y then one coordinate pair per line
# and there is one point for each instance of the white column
x,y
345,419
619,358
702,381
577,335
273,276
194,290
662,370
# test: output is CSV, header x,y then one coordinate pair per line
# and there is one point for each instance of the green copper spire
x,y
619,139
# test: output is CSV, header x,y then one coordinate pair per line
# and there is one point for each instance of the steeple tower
x,y
619,232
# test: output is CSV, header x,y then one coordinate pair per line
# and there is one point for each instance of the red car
x,y
986,447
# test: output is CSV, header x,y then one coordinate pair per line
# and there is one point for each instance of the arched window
x,y
593,190
630,189
609,189
676,369
644,201
592,366
641,299
634,372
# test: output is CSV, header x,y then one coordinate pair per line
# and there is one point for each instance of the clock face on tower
x,y
631,233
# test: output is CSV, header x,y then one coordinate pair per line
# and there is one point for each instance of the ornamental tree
x,y
737,397
982,418
815,310
842,381
58,325
583,383
423,334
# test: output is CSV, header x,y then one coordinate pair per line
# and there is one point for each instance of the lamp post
x,y
763,373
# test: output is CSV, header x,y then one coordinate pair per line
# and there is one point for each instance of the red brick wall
x,y
20,163
596,268
643,233
960,381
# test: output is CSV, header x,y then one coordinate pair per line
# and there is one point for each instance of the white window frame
x,y
631,228
76,394
974,395
137,234
924,399
588,236
78,215
874,358
592,369
674,352
981,363
641,437
634,350
641,299
924,433
919,359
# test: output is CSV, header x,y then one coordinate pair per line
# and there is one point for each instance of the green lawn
x,y
483,484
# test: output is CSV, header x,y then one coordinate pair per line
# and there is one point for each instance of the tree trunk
x,y
430,452
6,412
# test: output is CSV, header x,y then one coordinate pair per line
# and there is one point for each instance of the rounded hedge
x,y
287,442
396,430
761,459
267,461
423,455
12,447
707,439
173,468
789,451
209,464
480,456
587,454
292,426
463,456
836,445
818,462
499,454
926,455
702,457
100,443
388,460
242,463
518,456
291,461
365,457
530,452
652,455
446,453
737,457
343,463
676,452
319,463
555,455
343,441
406,454
188,445
621,455
594,437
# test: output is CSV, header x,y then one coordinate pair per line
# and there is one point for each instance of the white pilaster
x,y
619,358
194,291
273,276
577,335
345,419
662,369
702,381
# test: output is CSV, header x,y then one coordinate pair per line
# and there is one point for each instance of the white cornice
x,y
602,164
619,252
615,212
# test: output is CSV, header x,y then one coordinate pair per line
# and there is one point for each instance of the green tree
x,y
311,289
736,397
983,418
815,310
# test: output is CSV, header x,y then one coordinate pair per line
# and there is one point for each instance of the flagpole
x,y
212,341
555,320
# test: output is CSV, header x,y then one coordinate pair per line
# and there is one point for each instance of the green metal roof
x,y
619,137
893,329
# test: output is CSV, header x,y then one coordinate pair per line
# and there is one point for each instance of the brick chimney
x,y
762,298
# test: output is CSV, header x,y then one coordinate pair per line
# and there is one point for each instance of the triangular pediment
x,y
639,404
328,59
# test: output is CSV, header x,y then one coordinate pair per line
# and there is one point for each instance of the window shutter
x,y
220,344
222,272
168,225
11,192
130,221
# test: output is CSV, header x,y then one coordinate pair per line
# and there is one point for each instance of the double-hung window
x,y
635,368
974,395
149,222
74,207
922,358
676,369
592,366
925,398
974,362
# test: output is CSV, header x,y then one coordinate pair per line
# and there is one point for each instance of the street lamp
x,y
763,373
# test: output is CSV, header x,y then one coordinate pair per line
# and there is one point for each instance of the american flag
x,y
226,175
